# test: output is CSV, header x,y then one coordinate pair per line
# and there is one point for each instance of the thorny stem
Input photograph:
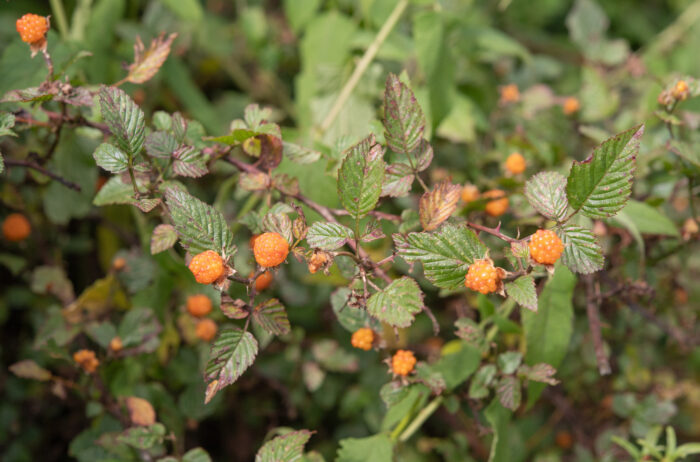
x,y
362,65
493,231
39,168
49,64
592,302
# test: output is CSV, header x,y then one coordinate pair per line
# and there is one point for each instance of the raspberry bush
x,y
386,230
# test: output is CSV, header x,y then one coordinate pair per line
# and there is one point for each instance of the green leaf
x,y
509,361
272,317
600,185
522,290
124,119
299,154
7,121
546,192
161,144
499,418
377,448
445,254
200,226
404,121
115,191
688,449
404,405
470,331
285,448
548,332
236,136
509,393
334,358
2,163
398,179
479,386
458,361
360,177
188,10
349,316
328,236
196,455
189,162
397,303
646,219
164,237
138,326
143,437
231,354
110,158
278,222
582,253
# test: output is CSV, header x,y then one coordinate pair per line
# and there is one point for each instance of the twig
x,y
39,168
436,326
493,231
592,300
374,213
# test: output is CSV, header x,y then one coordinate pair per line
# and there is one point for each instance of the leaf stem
x,y
422,416
60,14
362,65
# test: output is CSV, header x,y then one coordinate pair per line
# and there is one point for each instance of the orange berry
x,y
119,263
403,362
483,277
681,91
571,105
515,163
87,360
207,267
363,338
32,28
564,439
206,329
16,227
270,249
251,242
498,203
198,305
116,344
470,193
263,281
545,247
510,94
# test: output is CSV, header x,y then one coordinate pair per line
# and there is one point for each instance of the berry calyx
x,y
545,247
363,338
497,204
32,28
206,329
116,344
318,260
263,281
198,305
571,105
87,360
515,163
207,267
470,193
403,362
483,277
509,94
16,227
270,249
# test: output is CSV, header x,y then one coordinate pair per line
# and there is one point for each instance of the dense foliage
x,y
384,230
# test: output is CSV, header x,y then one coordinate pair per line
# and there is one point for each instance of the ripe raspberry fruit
x,y
510,94
571,105
251,242
497,204
515,163
207,267
119,264
403,362
545,247
32,28
116,344
270,249
206,329
16,227
198,305
470,193
483,277
263,281
87,360
363,338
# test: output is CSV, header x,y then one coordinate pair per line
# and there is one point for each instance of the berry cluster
x,y
363,338
198,305
206,329
32,28
16,227
483,276
207,267
545,247
403,362
87,360
497,204
515,163
270,249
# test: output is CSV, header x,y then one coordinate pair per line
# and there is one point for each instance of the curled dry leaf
x,y
140,411
147,62
438,205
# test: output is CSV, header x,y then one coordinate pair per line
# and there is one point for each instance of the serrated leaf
x,y
236,137
445,254
437,205
7,121
360,177
600,185
115,191
278,222
540,372
470,331
377,448
299,154
272,317
285,448
479,386
124,119
397,303
161,144
327,235
147,204
522,290
398,179
509,393
52,280
147,62
404,121
189,162
164,237
372,231
28,369
199,226
231,354
110,158
546,192
138,326
509,361
582,253
432,379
